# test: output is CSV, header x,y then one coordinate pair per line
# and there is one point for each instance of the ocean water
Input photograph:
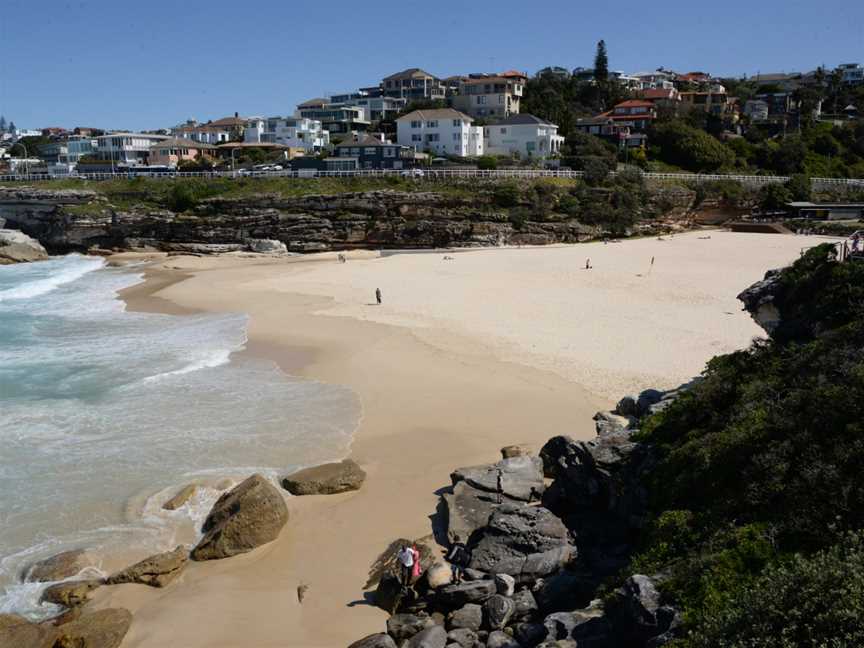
x,y
104,414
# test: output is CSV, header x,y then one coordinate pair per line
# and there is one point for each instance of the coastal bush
x,y
506,195
759,461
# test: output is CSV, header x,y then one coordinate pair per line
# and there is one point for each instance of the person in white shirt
x,y
406,562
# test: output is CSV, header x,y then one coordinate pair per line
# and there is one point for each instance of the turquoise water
x,y
104,413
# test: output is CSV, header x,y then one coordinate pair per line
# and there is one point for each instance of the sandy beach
x,y
493,347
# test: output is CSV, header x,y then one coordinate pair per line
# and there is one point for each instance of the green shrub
x,y
506,195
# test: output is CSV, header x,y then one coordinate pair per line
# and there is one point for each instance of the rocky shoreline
x,y
542,547
84,221
247,516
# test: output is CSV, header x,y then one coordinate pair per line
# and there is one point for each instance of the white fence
x,y
437,174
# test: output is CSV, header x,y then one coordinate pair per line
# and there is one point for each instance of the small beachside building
x,y
171,152
442,131
525,135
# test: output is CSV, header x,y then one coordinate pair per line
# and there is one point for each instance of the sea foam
x,y
106,413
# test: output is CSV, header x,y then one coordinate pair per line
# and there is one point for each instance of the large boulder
x,y
468,509
462,637
378,640
566,590
432,637
248,516
759,301
70,593
156,571
17,632
498,639
497,611
529,634
526,542
637,612
521,478
58,567
469,616
525,602
405,626
101,629
505,583
439,575
454,596
326,479
17,247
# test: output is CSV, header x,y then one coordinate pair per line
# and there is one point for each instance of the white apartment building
x,y
127,148
203,133
298,132
442,131
525,135
654,80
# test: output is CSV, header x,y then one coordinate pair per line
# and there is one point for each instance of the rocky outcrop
x,y
378,640
57,567
249,515
475,494
156,571
759,301
77,221
326,479
17,247
267,246
525,542
101,629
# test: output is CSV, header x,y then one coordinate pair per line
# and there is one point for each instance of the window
x,y
503,131
355,151
481,100
432,124
457,123
416,138
530,146
416,124
457,137
369,150
389,152
432,137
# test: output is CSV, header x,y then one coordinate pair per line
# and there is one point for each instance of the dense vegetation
x,y
759,490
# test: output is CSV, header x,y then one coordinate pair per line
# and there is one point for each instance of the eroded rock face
x,y
521,477
156,571
526,542
759,300
469,617
459,594
432,637
58,567
405,626
326,479
497,611
249,515
101,629
17,247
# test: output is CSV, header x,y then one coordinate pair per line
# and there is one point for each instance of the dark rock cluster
x,y
539,553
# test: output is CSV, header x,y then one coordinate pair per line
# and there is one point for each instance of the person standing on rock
x,y
378,295
415,571
458,558
406,564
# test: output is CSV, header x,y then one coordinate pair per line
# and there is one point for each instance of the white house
x,y
443,131
127,148
756,110
298,132
525,134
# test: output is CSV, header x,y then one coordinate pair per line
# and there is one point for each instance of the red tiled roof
x,y
634,103
657,93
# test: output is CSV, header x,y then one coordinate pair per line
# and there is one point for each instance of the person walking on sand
x,y
378,295
587,264
406,564
415,571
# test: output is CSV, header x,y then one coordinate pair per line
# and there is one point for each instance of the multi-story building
x,y
554,71
413,84
491,96
204,133
296,132
756,110
376,108
337,118
373,153
662,79
172,151
442,131
131,149
525,135
79,146
714,101
853,73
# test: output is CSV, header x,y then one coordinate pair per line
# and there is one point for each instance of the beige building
x,y
171,152
413,84
491,96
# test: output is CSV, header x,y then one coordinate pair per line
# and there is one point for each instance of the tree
x,y
799,187
12,128
690,148
601,63
773,197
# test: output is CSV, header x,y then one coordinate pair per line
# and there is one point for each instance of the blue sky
x,y
125,64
